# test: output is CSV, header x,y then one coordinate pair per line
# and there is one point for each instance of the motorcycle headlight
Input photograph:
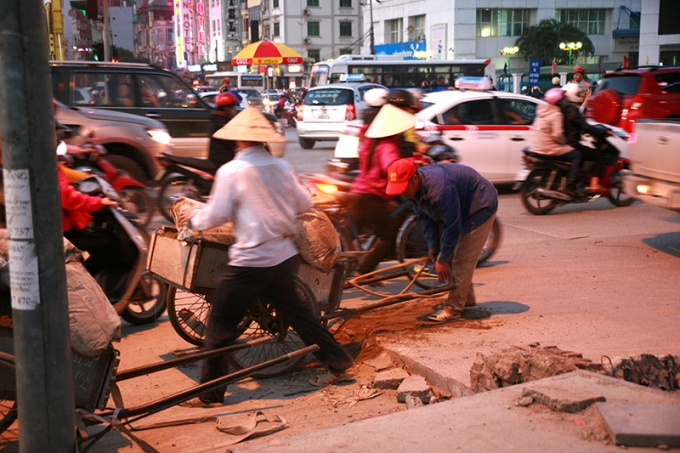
x,y
159,135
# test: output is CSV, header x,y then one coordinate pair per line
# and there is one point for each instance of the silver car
x,y
326,109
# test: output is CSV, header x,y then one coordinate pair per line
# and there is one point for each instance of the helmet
x,y
579,69
553,96
401,98
556,81
225,99
575,92
524,89
376,97
442,153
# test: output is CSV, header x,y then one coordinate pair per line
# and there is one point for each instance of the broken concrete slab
x,y
381,363
416,386
642,424
390,379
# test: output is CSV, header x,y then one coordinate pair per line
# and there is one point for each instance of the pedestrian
x,y
262,196
462,204
580,78
226,85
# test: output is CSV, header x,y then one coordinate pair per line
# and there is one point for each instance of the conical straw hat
x,y
250,125
389,121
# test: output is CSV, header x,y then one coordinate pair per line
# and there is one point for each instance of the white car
x,y
209,97
488,129
326,109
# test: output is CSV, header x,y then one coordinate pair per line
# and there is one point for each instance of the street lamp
x,y
509,51
570,46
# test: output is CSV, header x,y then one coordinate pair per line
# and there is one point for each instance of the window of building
x,y
345,28
313,29
277,29
346,51
314,55
345,3
589,21
312,2
416,28
394,30
275,3
214,28
501,22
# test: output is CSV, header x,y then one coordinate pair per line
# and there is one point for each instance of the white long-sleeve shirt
x,y
262,196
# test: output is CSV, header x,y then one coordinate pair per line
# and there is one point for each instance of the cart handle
x,y
160,366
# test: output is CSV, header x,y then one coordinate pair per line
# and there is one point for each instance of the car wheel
x,y
307,143
127,167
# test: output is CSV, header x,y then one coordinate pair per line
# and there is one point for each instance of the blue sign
x,y
534,72
402,49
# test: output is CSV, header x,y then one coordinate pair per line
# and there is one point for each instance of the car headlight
x,y
159,135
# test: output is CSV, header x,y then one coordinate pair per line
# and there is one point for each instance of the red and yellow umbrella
x,y
265,53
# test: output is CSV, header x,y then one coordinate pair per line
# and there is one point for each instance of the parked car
x,y
623,97
252,95
326,109
142,90
654,176
131,141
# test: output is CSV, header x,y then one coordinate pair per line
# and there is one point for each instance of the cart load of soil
x,y
516,365
223,234
93,321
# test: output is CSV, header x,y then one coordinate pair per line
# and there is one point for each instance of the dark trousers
x,y
102,247
594,156
371,212
237,291
576,158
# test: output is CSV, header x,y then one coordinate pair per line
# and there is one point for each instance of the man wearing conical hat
x,y
262,196
370,206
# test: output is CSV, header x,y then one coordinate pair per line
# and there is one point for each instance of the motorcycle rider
x,y
575,125
367,200
222,151
548,136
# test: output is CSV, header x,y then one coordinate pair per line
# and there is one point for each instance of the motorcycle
x,y
188,177
89,158
289,115
542,184
135,294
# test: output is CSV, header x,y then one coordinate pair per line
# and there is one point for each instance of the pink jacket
x,y
548,131
372,179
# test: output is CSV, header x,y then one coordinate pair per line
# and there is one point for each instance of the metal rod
x,y
367,281
173,400
386,302
159,366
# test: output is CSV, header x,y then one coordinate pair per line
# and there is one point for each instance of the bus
x,y
238,80
394,72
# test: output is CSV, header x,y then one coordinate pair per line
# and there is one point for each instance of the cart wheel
x,y
8,392
264,321
188,313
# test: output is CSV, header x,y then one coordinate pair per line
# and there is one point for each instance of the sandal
x,y
329,379
443,316
198,402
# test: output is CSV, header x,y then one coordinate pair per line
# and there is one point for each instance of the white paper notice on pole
x,y
18,209
23,273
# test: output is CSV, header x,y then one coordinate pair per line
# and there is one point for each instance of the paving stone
x,y
380,363
390,379
570,400
641,424
416,386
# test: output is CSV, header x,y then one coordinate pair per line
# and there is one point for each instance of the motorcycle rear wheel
x,y
8,391
136,199
616,195
140,312
532,201
175,187
189,314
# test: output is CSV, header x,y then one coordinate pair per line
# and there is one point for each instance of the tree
x,y
542,42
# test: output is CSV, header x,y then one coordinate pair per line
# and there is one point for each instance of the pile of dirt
x,y
516,365
662,373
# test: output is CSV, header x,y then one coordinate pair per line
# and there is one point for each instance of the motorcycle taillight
x,y
350,113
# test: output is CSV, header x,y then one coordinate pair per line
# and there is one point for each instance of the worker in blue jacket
x,y
463,204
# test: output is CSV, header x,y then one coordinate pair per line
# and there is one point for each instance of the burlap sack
x,y
223,234
317,240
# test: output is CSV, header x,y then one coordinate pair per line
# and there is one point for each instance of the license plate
x,y
522,175
321,115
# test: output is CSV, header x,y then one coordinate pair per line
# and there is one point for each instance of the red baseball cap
x,y
398,175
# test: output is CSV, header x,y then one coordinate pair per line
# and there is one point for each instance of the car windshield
x,y
329,96
625,84
426,104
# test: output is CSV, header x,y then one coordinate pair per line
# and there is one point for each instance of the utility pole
x,y
36,255
106,31
372,31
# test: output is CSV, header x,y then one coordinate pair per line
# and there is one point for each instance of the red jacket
x,y
75,206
